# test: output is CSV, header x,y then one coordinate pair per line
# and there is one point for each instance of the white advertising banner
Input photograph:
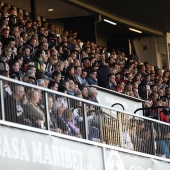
x,y
108,98
116,160
25,150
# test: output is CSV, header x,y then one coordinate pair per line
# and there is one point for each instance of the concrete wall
x,y
146,49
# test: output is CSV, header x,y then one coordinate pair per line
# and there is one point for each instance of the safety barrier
x,y
50,110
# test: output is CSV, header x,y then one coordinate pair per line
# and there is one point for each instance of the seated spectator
x,y
111,83
46,79
126,138
145,143
92,78
70,73
41,83
52,117
158,113
59,66
93,125
128,78
39,64
71,88
61,120
33,111
50,66
6,55
26,53
120,86
84,92
163,144
73,129
128,88
53,85
14,107
83,77
29,77
66,64
77,74
15,69
154,96
93,94
56,76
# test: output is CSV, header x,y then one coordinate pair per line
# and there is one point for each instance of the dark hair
x,y
109,75
92,71
38,52
24,48
30,67
62,89
55,73
18,57
69,69
51,84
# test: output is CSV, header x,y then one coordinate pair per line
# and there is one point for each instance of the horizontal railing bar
x,y
158,107
79,99
117,93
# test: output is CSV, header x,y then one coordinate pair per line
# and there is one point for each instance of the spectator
x,y
15,113
83,77
163,144
77,74
26,53
6,55
56,76
71,87
92,78
93,94
121,86
70,73
103,72
53,85
41,83
32,110
111,83
15,69
39,64
84,92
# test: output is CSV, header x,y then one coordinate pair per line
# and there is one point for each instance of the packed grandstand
x,y
37,54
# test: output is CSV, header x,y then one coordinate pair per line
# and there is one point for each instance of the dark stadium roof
x,y
152,17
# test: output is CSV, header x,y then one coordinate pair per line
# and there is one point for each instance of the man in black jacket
x,y
14,106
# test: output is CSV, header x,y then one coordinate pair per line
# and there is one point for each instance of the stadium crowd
x,y
39,54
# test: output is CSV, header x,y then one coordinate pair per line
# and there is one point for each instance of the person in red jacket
x,y
161,116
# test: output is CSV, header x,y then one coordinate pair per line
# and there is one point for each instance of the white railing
x,y
65,114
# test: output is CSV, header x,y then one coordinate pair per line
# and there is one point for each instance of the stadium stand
x,y
51,82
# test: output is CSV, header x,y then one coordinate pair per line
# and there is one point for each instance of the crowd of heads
x,y
40,54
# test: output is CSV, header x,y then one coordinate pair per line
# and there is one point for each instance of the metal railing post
x,y
101,128
86,121
47,110
2,100
104,157
153,139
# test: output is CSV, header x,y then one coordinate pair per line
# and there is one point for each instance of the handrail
x,y
158,107
102,128
117,93
118,104
70,96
